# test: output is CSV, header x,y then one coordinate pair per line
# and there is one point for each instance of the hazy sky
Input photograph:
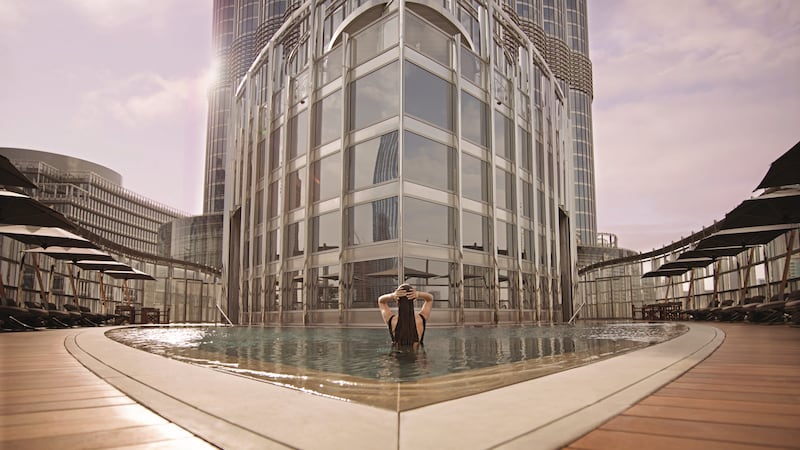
x,y
692,99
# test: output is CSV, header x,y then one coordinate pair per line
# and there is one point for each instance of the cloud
x,y
116,13
145,98
693,101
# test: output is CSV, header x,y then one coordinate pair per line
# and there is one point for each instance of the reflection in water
x,y
361,364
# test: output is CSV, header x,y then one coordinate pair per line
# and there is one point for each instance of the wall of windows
x,y
415,166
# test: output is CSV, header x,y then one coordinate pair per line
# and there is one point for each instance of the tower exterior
x,y
377,142
559,29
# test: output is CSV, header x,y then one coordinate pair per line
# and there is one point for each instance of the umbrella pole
x,y
125,292
50,281
690,298
38,277
102,291
789,250
716,278
74,286
746,278
20,273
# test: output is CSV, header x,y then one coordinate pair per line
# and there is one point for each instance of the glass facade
x,y
411,164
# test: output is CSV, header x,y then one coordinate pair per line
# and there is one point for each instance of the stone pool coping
x,y
237,412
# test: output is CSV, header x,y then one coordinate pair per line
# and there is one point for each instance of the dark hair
x,y
405,332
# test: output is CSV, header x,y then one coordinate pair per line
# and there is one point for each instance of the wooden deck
x,y
49,400
746,395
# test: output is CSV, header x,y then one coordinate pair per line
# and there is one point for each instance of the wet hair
x,y
405,332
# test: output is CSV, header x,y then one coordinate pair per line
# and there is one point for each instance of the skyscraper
x,y
560,31
377,142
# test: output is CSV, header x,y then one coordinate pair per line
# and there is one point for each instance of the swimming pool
x,y
359,364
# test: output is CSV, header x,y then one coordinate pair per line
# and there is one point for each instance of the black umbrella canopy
x,y
714,252
783,171
744,237
44,236
11,176
102,266
72,253
665,272
408,272
20,209
129,275
775,208
686,263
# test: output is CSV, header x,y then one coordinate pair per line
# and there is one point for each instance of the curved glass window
x,y
475,231
372,222
325,232
474,178
427,40
295,239
294,189
506,239
503,137
428,162
375,96
326,174
272,200
471,67
504,187
275,149
298,134
474,120
327,119
427,222
427,96
373,40
372,162
526,149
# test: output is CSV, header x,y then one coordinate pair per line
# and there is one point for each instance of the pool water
x,y
360,364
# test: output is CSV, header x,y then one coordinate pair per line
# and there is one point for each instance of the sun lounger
x,y
13,316
39,317
770,312
735,313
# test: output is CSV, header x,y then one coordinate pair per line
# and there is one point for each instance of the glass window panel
x,y
475,231
326,174
272,202
328,119
527,249
275,149
527,199
372,162
506,239
298,134
294,189
474,178
428,97
325,232
503,136
427,222
428,162
474,120
526,149
504,185
374,40
372,222
330,67
295,239
273,249
374,97
471,67
427,40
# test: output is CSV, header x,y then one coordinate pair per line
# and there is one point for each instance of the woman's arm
x,y
427,306
383,304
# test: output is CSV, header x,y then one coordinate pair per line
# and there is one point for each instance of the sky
x,y
693,99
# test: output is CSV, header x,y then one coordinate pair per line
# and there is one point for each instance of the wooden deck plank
x,y
49,400
742,396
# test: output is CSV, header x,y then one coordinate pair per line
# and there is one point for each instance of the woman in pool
x,y
406,328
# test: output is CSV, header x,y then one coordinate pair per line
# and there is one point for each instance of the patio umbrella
x,y
744,237
665,272
712,253
73,254
783,171
686,263
20,209
102,266
129,275
409,273
44,236
775,208
11,176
